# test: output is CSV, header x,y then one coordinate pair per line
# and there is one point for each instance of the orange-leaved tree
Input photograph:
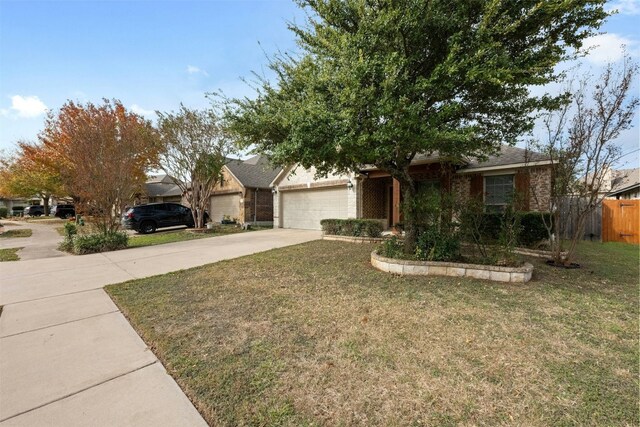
x,y
27,174
101,153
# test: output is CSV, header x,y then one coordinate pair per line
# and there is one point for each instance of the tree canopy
x,y
195,151
378,81
101,153
26,174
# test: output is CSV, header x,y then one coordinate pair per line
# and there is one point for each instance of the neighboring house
x,y
16,206
301,201
625,184
161,188
245,193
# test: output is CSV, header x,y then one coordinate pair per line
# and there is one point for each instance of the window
x,y
498,190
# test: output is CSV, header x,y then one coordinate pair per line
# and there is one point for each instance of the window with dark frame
x,y
498,192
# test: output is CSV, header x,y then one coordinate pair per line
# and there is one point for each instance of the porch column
x,y
395,215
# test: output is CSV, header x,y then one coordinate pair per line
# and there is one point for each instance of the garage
x,y
305,208
225,204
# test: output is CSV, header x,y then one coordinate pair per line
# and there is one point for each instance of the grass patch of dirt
x,y
313,335
9,254
22,232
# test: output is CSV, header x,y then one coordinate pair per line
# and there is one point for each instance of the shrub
x,y
352,227
509,236
391,248
433,244
533,228
70,230
4,212
99,242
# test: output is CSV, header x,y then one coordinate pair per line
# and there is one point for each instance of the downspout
x,y
255,206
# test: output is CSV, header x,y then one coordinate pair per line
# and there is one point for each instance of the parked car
x,y
34,210
149,217
63,211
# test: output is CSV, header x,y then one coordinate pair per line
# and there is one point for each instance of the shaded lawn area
x,y
10,254
22,232
313,335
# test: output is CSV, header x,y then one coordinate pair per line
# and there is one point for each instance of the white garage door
x,y
304,209
228,204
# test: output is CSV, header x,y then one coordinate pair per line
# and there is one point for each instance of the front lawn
x,y
313,335
22,232
160,238
10,254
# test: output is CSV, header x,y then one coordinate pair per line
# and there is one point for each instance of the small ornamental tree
x,y
581,144
195,150
377,82
101,153
26,174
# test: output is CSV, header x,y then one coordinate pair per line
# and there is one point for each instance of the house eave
x,y
504,167
281,174
624,190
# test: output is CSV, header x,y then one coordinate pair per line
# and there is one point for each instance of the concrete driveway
x,y
43,242
69,357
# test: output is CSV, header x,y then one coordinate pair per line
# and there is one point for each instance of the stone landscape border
x,y
353,239
453,269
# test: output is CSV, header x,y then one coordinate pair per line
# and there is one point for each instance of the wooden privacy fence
x,y
621,221
593,224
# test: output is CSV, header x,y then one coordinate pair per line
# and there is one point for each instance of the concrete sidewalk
x,y
69,357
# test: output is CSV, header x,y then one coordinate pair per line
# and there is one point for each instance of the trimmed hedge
x,y
92,243
352,227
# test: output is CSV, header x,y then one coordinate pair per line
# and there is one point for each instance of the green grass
x,y
10,254
23,232
160,238
313,335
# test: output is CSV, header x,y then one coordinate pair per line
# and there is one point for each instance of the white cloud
x,y
141,111
25,107
605,48
625,7
192,69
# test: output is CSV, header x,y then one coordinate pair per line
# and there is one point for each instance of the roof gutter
x,y
503,167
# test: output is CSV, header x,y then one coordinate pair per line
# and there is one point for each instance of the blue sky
x,y
152,55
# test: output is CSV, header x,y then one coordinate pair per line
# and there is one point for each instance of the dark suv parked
x,y
147,218
63,211
34,210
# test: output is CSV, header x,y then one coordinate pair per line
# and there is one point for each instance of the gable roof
x,y
507,155
624,180
161,186
255,172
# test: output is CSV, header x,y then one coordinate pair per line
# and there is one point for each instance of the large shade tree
x,y
379,81
196,148
101,153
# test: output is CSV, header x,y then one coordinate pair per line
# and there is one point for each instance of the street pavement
x,y
68,357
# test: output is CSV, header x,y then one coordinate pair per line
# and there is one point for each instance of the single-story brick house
x,y
245,193
301,201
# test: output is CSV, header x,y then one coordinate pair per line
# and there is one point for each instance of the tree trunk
x,y
45,204
408,188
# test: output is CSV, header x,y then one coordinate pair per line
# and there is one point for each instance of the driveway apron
x,y
68,357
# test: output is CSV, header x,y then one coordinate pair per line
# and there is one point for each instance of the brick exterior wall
x,y
539,187
540,194
461,187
